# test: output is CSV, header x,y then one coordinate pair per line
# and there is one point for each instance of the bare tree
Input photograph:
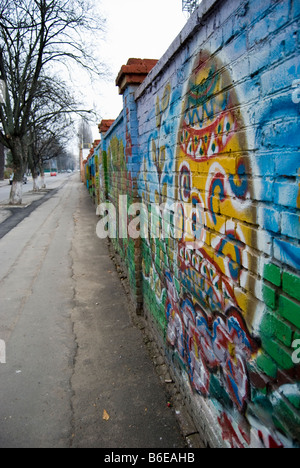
x,y
34,35
51,120
46,143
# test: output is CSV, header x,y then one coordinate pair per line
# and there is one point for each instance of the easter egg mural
x,y
207,324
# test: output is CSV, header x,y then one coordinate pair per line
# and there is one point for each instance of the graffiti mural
x,y
207,170
222,346
210,146
206,282
213,173
209,328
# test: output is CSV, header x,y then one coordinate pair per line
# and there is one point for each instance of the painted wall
x,y
215,125
116,186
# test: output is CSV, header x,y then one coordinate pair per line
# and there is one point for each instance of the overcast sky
x,y
138,29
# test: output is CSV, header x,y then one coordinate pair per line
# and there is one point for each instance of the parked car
x,y
12,178
53,174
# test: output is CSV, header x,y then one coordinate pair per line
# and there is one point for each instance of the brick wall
x,y
212,133
118,161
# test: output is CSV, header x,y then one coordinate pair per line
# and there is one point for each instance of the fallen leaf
x,y
106,416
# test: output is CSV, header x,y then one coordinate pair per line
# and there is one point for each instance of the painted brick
x,y
259,59
273,327
272,273
269,295
269,219
290,310
217,41
281,135
258,32
255,238
290,225
275,19
294,400
267,365
287,164
285,72
287,253
262,189
263,164
291,284
295,8
258,10
287,415
278,352
283,46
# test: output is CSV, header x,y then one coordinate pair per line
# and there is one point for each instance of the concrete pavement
x,y
36,291
77,372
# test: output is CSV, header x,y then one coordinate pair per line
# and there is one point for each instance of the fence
x,y
207,149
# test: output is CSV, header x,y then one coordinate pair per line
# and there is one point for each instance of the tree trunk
x,y
35,178
42,172
33,166
16,192
43,181
35,183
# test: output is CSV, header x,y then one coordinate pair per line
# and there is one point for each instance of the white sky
x,y
135,29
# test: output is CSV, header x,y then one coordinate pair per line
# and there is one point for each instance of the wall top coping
x,y
134,72
114,125
194,22
105,125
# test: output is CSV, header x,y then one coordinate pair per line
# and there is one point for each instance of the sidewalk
x,y
115,384
77,371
